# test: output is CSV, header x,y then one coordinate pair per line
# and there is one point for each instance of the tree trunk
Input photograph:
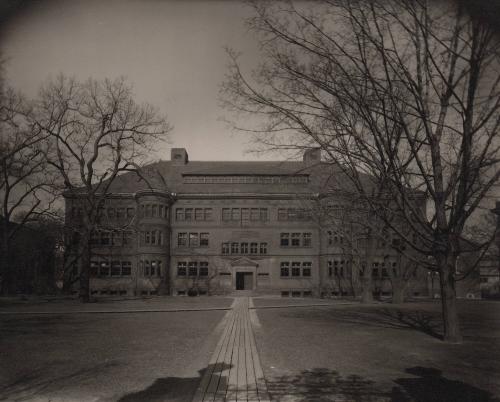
x,y
398,290
367,292
85,274
449,300
8,285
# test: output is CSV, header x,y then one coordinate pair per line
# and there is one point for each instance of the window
x,y
330,268
111,213
235,214
295,239
105,238
188,214
193,268
94,268
253,248
203,239
126,268
130,212
208,214
293,214
146,268
104,268
120,212
234,248
147,237
182,240
282,214
244,248
307,239
161,211
254,214
226,214
116,268
148,210
203,268
154,210
285,239
225,248
127,237
285,269
263,248
295,268
179,214
306,268
194,240
263,214
181,268
245,214
198,214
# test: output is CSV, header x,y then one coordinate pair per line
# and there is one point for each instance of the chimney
x,y
312,156
179,156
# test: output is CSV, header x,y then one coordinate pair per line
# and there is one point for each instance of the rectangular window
x,y
204,239
153,237
198,214
253,248
193,240
285,269
130,212
208,214
330,268
193,268
330,238
181,239
179,214
148,210
282,214
225,248
254,214
147,237
263,248
154,210
226,214
146,268
295,239
188,214
244,248
263,214
245,214
105,238
307,239
235,214
154,269
235,248
161,211
181,268
120,212
284,239
126,268
306,268
295,268
104,268
116,268
203,268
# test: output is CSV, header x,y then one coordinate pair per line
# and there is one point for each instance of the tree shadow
x,y
324,385
418,320
173,389
433,387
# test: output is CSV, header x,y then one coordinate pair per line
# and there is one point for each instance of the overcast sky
x,y
172,51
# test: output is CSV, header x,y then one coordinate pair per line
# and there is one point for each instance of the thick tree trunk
x,y
449,300
85,274
398,290
367,291
8,286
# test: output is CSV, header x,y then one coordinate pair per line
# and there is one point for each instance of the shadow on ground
x,y
173,389
323,385
421,321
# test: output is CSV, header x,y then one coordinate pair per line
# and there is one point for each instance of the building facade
x,y
200,227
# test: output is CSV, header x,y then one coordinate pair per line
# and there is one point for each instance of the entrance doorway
x,y
244,280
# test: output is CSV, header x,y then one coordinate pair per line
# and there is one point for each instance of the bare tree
x,y
26,181
404,91
96,132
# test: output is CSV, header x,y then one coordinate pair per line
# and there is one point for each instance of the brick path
x,y
234,372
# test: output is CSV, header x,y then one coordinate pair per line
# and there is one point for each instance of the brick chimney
x,y
312,156
179,156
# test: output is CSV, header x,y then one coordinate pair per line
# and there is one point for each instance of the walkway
x,y
234,372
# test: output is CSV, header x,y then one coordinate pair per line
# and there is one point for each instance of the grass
x,y
380,352
107,357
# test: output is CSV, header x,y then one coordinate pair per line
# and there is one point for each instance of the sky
x,y
172,51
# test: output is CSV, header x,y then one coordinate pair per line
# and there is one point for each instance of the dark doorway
x,y
244,280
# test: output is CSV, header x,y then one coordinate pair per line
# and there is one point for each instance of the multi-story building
x,y
216,227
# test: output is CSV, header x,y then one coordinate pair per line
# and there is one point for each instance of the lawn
x,y
378,353
107,357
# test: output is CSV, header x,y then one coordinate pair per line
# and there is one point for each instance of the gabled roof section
x,y
244,261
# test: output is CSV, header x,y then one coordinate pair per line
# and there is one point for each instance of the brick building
x,y
219,227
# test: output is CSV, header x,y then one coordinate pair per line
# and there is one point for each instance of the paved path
x,y
234,372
